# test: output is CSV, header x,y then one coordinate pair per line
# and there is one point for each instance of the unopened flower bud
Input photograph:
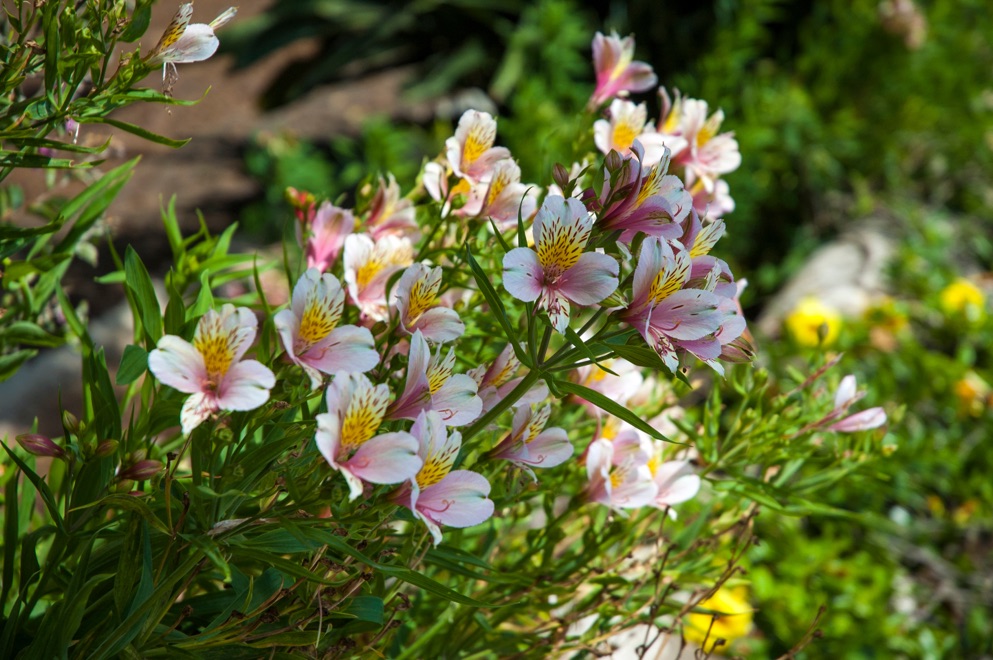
x,y
613,161
40,445
123,486
106,448
142,470
70,422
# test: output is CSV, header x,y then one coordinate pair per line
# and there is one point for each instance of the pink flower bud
x,y
106,448
40,445
141,471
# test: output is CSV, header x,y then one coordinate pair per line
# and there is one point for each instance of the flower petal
x,y
522,273
593,278
176,363
195,410
386,459
245,386
459,500
348,348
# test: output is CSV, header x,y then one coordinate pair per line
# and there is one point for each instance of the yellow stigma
x,y
560,247
317,323
624,135
364,415
423,296
217,353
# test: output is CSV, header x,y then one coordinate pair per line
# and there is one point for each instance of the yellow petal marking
x,y
423,296
364,415
217,352
175,29
624,134
477,142
561,246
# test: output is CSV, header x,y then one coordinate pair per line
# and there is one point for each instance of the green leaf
x,y
27,333
46,494
133,364
139,23
135,130
496,306
610,406
9,364
140,284
205,298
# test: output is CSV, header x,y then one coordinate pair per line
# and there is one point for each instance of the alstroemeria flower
x,y
502,197
651,201
497,380
346,435
530,444
618,471
709,154
668,315
471,153
846,395
431,386
368,267
211,369
559,271
675,480
616,73
310,333
626,124
389,213
439,495
417,302
182,43
326,235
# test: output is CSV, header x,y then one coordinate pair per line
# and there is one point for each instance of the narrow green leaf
x,y
138,281
46,494
29,334
610,406
135,130
10,534
139,23
496,306
133,364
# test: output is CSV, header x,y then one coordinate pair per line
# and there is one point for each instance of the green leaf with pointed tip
x,y
134,362
608,405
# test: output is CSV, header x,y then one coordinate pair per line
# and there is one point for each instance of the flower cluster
x,y
379,331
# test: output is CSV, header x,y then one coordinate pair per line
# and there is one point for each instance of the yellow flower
x,y
962,297
733,619
812,323
973,394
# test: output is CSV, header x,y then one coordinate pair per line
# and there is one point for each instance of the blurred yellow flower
x,y
731,615
973,394
812,323
962,297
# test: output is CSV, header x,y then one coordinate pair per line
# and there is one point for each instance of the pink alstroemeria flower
x,y
417,302
211,369
327,233
846,395
430,385
346,435
310,333
616,73
627,123
471,153
503,197
709,154
675,480
497,380
389,213
655,202
368,267
559,271
618,471
530,444
439,495
668,315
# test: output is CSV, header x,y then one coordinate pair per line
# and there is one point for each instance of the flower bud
x,y
40,445
106,448
123,486
141,471
70,422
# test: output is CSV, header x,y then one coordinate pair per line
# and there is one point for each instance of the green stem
x,y
526,384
